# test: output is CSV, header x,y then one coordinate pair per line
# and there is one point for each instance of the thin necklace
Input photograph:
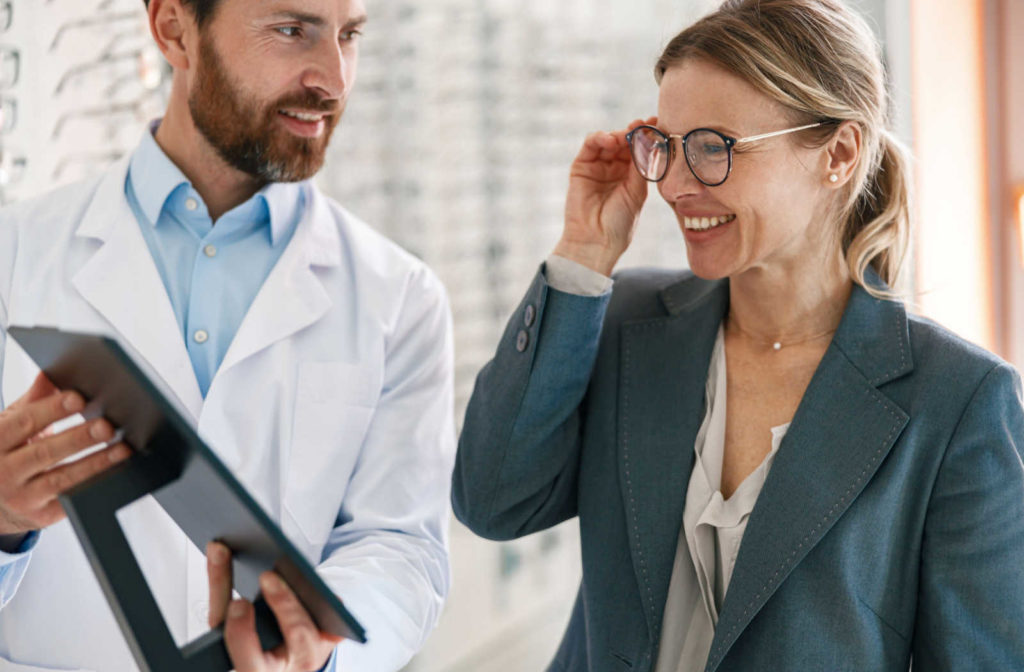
x,y
778,345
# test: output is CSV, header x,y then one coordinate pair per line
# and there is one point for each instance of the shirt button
x,y
191,204
529,316
522,341
201,337
210,251
201,610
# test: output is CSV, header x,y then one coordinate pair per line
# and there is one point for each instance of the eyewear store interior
x,y
491,99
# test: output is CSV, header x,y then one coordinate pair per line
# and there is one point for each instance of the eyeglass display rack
x,y
457,144
78,81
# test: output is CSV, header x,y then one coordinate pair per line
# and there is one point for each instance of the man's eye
x,y
288,31
350,36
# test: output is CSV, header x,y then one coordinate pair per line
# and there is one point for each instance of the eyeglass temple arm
x,y
765,136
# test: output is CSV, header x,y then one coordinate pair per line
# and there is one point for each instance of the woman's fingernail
x,y
236,609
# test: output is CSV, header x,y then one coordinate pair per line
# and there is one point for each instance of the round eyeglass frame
x,y
729,142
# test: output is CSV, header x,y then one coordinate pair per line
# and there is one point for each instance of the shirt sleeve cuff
x,y
570,277
25,547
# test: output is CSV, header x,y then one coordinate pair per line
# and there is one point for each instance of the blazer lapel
x,y
122,283
664,368
841,433
293,297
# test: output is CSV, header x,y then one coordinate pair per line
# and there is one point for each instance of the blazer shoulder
x,y
640,293
938,351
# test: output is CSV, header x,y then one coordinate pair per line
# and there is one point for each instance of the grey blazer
x,y
890,527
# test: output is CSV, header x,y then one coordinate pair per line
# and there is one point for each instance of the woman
x,y
779,395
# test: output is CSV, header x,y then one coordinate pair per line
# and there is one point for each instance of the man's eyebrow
x,y
314,20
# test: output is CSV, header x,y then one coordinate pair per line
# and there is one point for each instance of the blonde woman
x,y
774,466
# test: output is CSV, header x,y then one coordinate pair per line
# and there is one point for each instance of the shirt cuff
x,y
27,544
570,277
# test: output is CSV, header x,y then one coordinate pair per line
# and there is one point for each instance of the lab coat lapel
x,y
293,297
122,283
841,433
664,368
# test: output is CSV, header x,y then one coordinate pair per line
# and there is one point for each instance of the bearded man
x,y
313,355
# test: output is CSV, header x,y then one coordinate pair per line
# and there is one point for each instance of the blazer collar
x,y
664,367
873,333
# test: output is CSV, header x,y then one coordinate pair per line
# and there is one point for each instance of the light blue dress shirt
x,y
212,271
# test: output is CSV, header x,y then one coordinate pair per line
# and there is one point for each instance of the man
x,y
314,356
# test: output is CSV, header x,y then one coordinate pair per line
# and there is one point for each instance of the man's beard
x,y
248,136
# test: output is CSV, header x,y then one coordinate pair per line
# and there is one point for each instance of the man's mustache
x,y
309,102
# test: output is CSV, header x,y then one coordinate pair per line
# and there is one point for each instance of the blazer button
x,y
522,341
529,316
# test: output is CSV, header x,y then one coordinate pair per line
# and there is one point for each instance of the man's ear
x,y
173,27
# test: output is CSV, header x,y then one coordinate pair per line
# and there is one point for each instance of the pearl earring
x,y
833,178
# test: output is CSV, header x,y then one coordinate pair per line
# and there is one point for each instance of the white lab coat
x,y
333,407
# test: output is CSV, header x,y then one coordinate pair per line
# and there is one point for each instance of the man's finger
x,y
18,425
218,572
47,485
306,649
240,637
45,453
41,388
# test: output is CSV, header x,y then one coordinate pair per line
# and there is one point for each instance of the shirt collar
x,y
155,178
153,175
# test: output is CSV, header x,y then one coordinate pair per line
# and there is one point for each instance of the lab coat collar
x,y
293,296
121,281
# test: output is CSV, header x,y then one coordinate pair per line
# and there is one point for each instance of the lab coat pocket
x,y
334,403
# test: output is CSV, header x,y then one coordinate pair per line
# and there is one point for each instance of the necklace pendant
x,y
777,346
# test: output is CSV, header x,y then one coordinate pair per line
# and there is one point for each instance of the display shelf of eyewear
x,y
78,81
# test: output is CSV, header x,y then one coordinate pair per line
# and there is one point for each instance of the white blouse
x,y
712,530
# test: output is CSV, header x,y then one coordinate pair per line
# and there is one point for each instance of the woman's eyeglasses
x,y
708,153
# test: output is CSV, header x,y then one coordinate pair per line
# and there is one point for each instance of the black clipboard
x,y
193,486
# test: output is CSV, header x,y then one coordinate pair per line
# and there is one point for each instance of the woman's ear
x,y
843,152
172,26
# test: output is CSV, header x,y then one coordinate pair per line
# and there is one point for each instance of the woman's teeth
x,y
704,223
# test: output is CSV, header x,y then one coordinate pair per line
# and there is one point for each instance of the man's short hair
x,y
203,9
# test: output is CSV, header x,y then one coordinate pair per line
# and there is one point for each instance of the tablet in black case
x,y
192,485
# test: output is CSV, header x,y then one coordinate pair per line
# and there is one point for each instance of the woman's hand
x,y
605,196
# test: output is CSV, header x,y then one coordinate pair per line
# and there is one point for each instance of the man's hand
x,y
305,648
30,478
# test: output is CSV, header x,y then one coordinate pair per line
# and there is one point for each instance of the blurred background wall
x,y
457,143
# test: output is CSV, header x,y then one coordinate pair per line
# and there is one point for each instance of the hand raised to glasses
x,y
305,647
31,477
603,204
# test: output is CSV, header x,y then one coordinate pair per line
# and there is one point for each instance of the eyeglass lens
x,y
707,154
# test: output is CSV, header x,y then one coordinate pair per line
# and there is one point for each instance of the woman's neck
x,y
788,305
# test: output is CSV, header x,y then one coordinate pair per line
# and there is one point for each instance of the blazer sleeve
x,y
971,596
516,466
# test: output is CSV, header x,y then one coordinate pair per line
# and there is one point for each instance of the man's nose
x,y
328,72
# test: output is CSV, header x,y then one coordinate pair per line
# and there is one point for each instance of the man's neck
x,y
221,186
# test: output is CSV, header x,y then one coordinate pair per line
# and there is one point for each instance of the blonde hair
x,y
820,60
